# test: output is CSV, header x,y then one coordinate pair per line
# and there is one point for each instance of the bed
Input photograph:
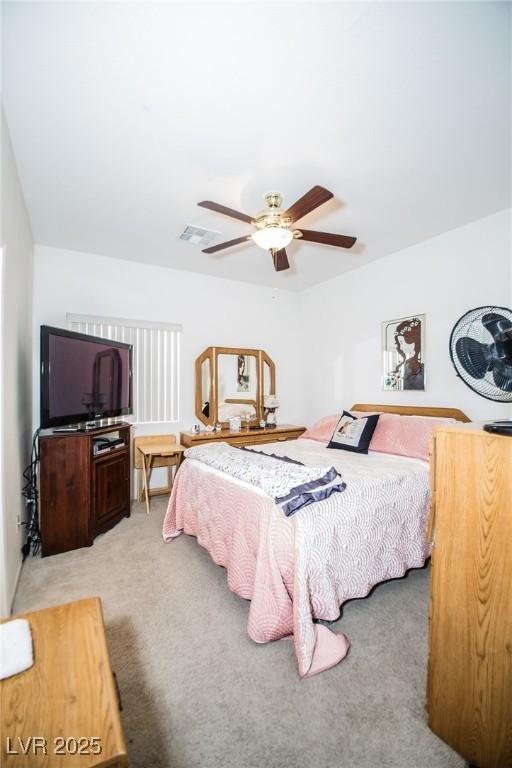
x,y
299,570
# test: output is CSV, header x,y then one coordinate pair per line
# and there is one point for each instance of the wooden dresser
x,y
64,710
469,692
245,437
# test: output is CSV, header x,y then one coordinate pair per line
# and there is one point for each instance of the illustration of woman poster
x,y
403,345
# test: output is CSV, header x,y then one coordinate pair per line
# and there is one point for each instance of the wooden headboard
x,y
413,410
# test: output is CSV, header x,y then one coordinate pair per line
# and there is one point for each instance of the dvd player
x,y
105,444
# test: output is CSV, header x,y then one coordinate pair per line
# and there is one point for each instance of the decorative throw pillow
x,y
353,434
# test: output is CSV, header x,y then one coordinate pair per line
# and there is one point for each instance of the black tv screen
x,y
83,378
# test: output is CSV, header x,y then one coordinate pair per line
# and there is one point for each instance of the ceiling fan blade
x,y
227,244
342,241
315,197
280,260
226,211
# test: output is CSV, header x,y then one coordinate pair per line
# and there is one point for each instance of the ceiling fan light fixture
x,y
273,238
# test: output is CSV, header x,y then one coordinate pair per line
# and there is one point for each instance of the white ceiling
x,y
124,115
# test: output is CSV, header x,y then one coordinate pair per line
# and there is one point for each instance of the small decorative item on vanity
x,y
218,426
271,404
403,353
234,424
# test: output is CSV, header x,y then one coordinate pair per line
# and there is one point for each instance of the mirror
x,y
237,385
232,382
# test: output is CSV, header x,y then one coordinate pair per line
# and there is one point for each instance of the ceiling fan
x,y
274,227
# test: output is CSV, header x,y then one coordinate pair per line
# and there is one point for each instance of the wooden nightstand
x,y
245,437
68,698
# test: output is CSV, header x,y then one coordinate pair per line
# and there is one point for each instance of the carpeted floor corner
x,y
198,693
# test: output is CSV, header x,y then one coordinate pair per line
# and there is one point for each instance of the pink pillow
x,y
405,435
322,430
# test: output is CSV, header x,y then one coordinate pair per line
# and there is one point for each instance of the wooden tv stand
x,y
81,495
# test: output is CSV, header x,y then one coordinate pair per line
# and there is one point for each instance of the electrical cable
x,y
30,492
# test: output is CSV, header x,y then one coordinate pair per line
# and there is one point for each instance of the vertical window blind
x,y
156,362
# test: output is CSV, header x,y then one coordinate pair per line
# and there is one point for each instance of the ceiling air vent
x,y
199,236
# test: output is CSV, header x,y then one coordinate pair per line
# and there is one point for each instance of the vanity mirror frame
x,y
212,354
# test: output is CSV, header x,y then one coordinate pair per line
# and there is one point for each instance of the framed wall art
x,y
403,354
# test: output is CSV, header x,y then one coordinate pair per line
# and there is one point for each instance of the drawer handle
x,y
280,439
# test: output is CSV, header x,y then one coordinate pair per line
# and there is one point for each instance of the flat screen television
x,y
83,378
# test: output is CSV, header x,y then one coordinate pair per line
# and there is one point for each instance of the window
x,y
156,361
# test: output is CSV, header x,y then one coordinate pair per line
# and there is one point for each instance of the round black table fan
x,y
481,351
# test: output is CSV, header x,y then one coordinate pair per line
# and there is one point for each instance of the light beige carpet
x,y
198,693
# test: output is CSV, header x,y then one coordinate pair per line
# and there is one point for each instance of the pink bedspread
x,y
295,570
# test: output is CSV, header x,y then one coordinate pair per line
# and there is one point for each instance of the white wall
x,y
212,311
442,277
325,341
16,341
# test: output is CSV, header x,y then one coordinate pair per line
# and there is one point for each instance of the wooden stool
x,y
152,451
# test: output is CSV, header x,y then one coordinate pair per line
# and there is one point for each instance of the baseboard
x,y
16,582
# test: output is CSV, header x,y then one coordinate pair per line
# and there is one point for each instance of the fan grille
x,y
482,379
